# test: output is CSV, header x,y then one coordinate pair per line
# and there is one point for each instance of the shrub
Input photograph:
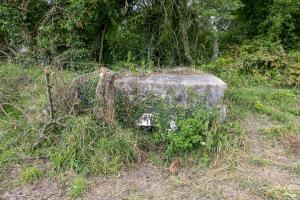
x,y
177,129
268,59
194,132
75,59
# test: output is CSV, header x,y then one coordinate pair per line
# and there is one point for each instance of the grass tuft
x,y
78,188
31,174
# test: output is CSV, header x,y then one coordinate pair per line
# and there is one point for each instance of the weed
x,y
296,169
176,180
274,103
77,188
196,131
133,197
258,161
274,132
88,147
155,158
30,174
282,193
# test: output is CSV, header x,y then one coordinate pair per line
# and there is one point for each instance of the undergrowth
x,y
86,145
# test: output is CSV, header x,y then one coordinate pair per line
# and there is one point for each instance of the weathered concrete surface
x,y
207,86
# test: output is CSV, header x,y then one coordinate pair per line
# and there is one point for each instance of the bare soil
x,y
263,170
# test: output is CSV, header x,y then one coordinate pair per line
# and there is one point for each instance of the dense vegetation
x,y
253,45
80,33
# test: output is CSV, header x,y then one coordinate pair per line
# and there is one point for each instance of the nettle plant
x,y
177,128
195,130
195,127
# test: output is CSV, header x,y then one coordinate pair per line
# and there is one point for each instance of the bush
x,y
177,129
268,59
75,59
194,132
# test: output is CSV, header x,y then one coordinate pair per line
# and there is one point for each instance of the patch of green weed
x,y
176,180
30,174
77,188
296,169
273,132
278,193
155,158
259,161
276,103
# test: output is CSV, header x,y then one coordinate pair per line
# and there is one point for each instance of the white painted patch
x,y
146,120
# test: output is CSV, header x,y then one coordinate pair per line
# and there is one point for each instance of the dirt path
x,y
265,170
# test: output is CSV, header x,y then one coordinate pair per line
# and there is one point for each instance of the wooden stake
x,y
106,94
47,78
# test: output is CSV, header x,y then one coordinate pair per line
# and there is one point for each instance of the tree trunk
x,y
102,45
105,93
185,41
183,25
24,31
215,48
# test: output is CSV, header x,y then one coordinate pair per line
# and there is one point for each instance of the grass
x,y
266,190
88,147
77,188
258,161
176,181
31,174
282,193
296,169
276,103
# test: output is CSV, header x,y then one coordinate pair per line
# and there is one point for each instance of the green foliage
x,y
296,169
77,188
264,58
196,128
30,174
10,24
76,33
85,146
282,193
75,59
283,24
266,62
274,20
194,132
278,104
